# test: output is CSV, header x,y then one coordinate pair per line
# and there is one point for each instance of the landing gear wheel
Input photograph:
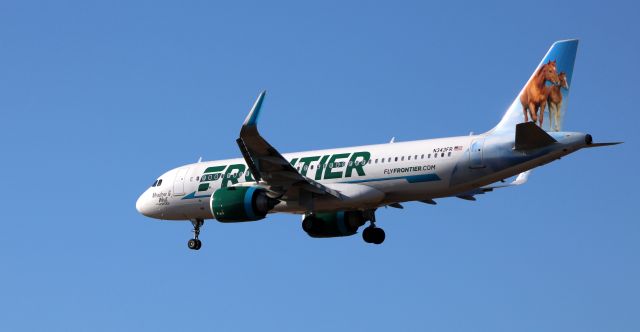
x,y
195,243
373,235
379,236
367,236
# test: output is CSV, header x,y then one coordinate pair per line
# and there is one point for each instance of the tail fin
x,y
546,91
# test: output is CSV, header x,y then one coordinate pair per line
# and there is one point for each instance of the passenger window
x,y
429,156
402,158
442,155
422,157
376,160
409,158
197,178
416,157
449,155
435,155
396,159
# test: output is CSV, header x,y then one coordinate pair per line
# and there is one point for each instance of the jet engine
x,y
238,204
333,224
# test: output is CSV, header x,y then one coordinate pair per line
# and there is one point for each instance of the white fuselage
x,y
394,172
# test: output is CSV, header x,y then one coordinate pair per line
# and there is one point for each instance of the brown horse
x,y
534,96
555,101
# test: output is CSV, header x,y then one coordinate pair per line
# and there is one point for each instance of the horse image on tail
x,y
555,101
535,94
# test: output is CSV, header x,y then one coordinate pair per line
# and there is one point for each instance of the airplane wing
x,y
269,168
470,195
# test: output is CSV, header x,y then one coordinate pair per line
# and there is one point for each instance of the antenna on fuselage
x,y
200,160
393,140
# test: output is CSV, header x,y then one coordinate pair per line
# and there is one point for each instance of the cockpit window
x,y
159,183
154,183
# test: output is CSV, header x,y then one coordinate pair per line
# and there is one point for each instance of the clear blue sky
x,y
99,98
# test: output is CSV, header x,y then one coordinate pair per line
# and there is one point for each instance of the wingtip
x,y
569,40
252,117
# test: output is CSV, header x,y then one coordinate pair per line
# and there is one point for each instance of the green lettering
x,y
249,177
319,169
328,174
233,178
210,174
293,161
358,165
214,169
305,164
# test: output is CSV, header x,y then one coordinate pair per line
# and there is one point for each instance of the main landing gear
x,y
373,234
195,243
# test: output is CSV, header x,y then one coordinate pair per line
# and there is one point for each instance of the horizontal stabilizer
x,y
530,136
595,145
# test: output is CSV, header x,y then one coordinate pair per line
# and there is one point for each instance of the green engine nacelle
x,y
237,204
333,224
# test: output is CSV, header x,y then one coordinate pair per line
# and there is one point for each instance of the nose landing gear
x,y
195,243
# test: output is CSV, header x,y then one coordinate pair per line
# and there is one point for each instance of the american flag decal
x,y
457,148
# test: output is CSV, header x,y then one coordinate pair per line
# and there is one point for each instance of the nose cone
x,y
140,205
146,207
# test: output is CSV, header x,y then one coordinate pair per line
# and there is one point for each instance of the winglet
x,y
252,118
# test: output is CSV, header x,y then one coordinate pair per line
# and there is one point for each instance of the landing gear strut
x,y
195,243
373,234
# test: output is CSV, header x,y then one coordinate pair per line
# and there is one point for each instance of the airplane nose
x,y
139,204
142,206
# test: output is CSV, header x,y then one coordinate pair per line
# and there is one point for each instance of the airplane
x,y
337,191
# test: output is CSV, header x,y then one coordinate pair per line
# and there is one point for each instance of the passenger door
x,y
178,183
